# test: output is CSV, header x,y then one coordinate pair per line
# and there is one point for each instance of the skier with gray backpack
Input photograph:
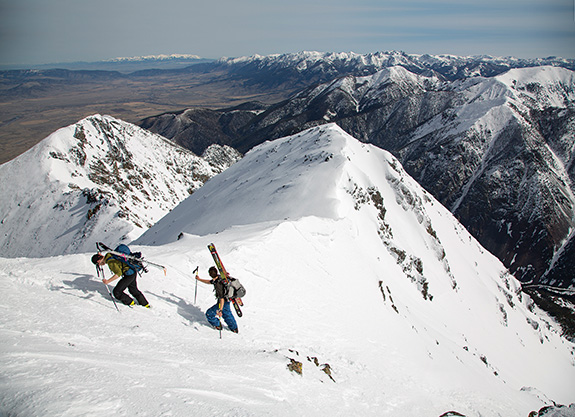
x,y
228,291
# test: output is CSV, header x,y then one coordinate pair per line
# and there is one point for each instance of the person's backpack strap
x,y
134,266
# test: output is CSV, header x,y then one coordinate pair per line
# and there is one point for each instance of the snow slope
x,y
100,178
345,259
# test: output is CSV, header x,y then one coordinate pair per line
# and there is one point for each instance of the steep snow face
x,y
540,88
507,144
98,179
277,180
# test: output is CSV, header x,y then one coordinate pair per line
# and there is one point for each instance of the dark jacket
x,y
219,288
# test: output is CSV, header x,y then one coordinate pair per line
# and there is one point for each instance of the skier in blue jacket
x,y
222,306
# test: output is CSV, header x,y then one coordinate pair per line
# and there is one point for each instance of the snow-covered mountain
x,y
497,151
310,67
355,275
100,178
151,58
344,219
196,129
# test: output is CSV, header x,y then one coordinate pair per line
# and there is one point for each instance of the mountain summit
x,y
98,179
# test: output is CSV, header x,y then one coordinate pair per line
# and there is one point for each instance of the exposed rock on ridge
x,y
98,179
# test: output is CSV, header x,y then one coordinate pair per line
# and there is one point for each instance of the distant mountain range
x,y
306,68
298,70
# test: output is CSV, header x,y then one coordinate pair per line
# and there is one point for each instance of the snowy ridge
x,y
343,63
161,57
306,59
98,179
352,270
237,197
490,110
541,88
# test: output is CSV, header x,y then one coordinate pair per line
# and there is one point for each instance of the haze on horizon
x,y
41,32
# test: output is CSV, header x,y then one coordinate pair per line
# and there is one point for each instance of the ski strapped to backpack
x,y
234,290
134,260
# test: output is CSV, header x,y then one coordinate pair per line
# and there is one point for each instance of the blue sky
x,y
48,31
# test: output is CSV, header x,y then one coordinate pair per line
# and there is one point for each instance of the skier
x,y
128,280
222,306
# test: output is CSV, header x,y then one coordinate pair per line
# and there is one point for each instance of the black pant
x,y
129,282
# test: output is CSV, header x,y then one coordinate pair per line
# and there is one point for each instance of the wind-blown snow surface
x,y
345,259
100,178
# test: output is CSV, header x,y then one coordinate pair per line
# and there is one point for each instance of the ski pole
x,y
99,271
112,297
196,274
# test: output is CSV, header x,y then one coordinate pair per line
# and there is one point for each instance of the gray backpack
x,y
235,289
